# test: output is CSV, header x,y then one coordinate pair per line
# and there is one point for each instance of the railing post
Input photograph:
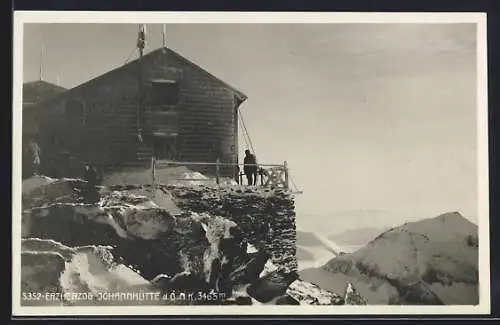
x,y
217,171
285,168
153,171
165,180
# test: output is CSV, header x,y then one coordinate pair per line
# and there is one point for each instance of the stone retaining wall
x,y
266,217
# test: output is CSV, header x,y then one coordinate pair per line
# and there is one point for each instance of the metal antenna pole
x,y
41,64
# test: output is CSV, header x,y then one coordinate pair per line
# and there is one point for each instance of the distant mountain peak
x,y
431,261
451,215
357,237
450,219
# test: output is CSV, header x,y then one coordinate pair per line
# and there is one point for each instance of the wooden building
x,y
35,92
160,104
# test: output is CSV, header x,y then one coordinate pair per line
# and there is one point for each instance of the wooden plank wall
x,y
106,132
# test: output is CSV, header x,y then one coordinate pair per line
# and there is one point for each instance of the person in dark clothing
x,y
90,175
250,167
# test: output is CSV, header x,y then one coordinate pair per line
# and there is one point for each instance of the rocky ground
x,y
266,217
209,246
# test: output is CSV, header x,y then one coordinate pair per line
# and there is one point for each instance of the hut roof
x,y
40,90
152,56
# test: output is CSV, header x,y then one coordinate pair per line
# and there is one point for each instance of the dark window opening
x,y
165,148
163,92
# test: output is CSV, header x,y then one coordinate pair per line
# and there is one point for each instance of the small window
x,y
164,92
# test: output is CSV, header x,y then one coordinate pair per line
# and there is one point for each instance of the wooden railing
x,y
270,175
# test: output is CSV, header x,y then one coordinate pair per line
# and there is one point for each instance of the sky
x,y
376,121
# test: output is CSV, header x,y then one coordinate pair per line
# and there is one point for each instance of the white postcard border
x,y
22,17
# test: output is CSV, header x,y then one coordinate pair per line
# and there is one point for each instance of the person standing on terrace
x,y
250,167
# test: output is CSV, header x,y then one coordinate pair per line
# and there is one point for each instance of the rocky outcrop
x,y
271,286
125,242
266,217
86,275
90,275
50,191
430,262
310,294
352,297
41,271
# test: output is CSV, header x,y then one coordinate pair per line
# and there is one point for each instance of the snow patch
x,y
251,249
87,272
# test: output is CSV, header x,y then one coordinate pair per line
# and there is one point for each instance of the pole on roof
x,y
141,39
41,64
164,36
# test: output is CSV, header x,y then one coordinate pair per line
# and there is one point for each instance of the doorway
x,y
165,148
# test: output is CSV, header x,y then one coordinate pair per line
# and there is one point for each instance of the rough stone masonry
x,y
266,216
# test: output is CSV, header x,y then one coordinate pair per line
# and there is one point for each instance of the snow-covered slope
x,y
431,261
311,252
330,245
315,250
357,236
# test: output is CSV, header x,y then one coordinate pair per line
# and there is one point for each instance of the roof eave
x,y
240,95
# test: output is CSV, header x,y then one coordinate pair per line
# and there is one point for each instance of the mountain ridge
x,y
357,236
431,261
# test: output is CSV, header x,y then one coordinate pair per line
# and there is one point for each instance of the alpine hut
x,y
160,104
